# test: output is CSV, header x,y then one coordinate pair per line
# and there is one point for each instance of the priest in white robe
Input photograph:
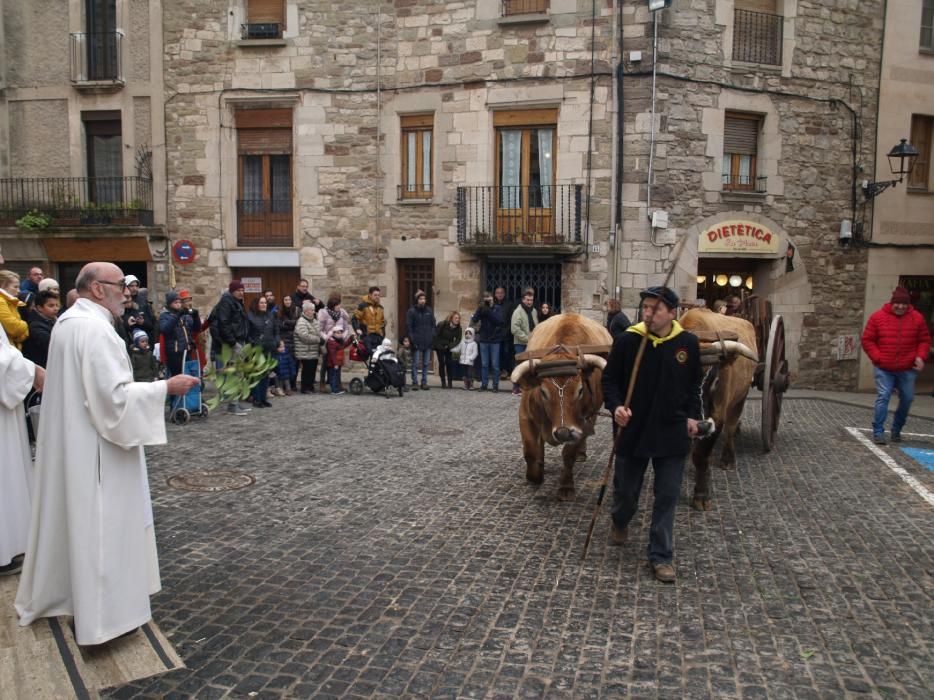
x,y
17,376
92,548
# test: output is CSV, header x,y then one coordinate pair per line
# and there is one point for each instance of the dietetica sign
x,y
738,236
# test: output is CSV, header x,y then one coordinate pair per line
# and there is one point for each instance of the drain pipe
x,y
378,199
616,230
648,199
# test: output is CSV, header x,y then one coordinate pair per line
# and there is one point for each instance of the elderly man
x,y
92,547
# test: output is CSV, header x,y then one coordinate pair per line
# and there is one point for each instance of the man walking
x,y
896,339
92,548
659,423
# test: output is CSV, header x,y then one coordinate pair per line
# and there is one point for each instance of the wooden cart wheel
x,y
774,382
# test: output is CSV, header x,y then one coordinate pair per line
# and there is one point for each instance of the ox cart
x,y
771,376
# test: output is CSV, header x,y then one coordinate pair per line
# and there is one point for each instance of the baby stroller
x,y
384,373
182,408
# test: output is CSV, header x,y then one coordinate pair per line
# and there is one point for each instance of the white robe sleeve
x,y
124,412
16,376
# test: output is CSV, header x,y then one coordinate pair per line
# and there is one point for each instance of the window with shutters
x,y
740,149
921,134
264,200
104,147
416,156
524,7
265,19
927,26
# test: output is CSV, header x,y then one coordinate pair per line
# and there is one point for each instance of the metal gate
x,y
543,277
414,274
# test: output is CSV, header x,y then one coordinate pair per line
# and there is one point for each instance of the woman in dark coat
x,y
263,330
289,314
447,337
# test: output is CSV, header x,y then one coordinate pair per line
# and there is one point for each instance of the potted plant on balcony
x,y
34,220
94,214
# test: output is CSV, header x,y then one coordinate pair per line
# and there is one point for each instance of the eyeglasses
x,y
118,283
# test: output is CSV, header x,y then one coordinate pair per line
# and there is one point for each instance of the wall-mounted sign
x,y
184,252
739,237
252,285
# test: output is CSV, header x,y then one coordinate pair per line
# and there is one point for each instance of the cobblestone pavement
x,y
392,548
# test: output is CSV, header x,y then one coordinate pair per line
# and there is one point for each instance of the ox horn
x,y
594,361
520,371
732,346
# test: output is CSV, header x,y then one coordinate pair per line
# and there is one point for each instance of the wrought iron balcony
x,y
96,59
264,222
78,201
524,7
525,216
744,183
261,30
757,37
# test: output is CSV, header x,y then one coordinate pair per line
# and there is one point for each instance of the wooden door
x,y
414,274
281,280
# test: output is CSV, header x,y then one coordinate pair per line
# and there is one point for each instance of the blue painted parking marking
x,y
923,457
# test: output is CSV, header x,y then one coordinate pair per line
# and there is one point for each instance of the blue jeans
x,y
334,378
420,359
519,348
628,475
489,362
886,382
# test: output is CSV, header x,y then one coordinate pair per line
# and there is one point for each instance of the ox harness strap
x,y
560,388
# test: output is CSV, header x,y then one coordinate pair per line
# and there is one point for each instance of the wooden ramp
x,y
43,661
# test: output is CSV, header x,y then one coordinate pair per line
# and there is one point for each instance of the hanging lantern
x,y
749,283
721,280
702,279
735,280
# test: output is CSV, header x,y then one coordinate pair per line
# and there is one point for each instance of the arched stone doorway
x,y
745,253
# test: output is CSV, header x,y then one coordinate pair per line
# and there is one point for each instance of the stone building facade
x,y
456,146
763,110
448,146
81,136
901,219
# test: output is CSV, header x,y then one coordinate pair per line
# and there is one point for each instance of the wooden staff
x,y
629,390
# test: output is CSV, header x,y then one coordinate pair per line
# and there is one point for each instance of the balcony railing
x,y
514,215
262,30
524,7
264,222
78,201
744,183
95,57
757,37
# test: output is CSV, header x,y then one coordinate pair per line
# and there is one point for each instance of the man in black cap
x,y
660,421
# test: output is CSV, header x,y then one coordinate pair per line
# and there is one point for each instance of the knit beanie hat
x,y
234,286
47,283
170,297
900,296
139,335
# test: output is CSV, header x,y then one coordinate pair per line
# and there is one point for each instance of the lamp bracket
x,y
871,190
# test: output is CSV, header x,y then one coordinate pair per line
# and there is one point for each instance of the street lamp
x,y
901,160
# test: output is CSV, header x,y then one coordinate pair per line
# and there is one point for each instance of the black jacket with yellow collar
x,y
667,391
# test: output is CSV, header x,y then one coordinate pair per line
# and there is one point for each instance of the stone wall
x,y
33,57
39,138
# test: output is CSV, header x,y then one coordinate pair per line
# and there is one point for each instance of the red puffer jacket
x,y
893,342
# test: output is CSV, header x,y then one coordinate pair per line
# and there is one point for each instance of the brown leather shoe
x,y
618,537
664,573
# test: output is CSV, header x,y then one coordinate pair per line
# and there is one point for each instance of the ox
x,y
561,393
725,389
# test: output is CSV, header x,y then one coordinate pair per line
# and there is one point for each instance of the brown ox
x,y
725,387
561,393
